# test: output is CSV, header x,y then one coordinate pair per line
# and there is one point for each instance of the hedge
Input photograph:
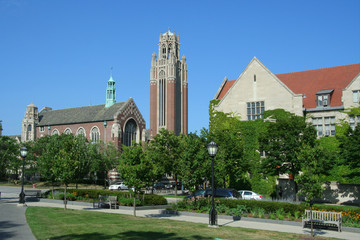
x,y
149,199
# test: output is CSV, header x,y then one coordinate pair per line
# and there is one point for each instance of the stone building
x,y
121,123
320,94
168,87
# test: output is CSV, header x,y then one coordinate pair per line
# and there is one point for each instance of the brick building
x,y
121,123
168,87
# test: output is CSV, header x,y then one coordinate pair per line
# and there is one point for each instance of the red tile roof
x,y
226,88
310,82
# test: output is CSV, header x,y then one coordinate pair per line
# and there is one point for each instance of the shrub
x,y
149,199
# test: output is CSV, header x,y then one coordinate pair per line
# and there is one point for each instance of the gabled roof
x,y
308,83
94,113
312,81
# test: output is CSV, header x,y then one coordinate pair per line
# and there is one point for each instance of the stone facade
x,y
168,87
320,94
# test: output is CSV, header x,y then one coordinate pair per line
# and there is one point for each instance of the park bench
x,y
323,219
104,201
112,201
100,202
32,193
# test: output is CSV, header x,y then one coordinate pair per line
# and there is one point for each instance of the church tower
x,y
29,123
168,87
110,92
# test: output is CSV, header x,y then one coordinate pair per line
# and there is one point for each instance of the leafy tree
x,y
134,169
9,156
194,164
282,140
225,129
153,159
104,157
66,158
166,143
310,186
350,151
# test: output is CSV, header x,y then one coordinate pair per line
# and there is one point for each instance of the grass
x,y
55,223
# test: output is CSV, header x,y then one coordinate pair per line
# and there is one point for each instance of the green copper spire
x,y
110,92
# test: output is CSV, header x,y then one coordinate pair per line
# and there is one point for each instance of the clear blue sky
x,y
59,53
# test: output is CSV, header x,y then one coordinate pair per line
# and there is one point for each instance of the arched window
x,y
130,133
95,134
81,131
55,132
67,131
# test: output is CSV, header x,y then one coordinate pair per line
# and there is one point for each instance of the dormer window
x,y
323,98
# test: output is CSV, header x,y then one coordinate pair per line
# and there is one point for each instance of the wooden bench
x,y
32,193
320,218
112,201
102,200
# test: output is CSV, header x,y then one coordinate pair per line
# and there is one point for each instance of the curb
x,y
234,218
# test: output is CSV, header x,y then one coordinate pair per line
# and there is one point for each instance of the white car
x,y
250,195
118,186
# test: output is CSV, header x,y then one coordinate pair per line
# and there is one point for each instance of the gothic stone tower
x,y
168,87
29,123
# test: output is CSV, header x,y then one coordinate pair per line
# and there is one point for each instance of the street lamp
x,y
23,153
212,149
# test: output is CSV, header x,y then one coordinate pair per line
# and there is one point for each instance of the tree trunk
x,y
52,191
134,205
311,221
65,200
175,188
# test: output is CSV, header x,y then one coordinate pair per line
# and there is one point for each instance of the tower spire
x,y
110,91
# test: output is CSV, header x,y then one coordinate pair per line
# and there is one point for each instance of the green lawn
x,y
55,223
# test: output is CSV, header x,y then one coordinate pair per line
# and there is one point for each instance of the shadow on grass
x,y
130,235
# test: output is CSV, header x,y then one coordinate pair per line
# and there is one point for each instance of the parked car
x,y
250,195
118,186
219,193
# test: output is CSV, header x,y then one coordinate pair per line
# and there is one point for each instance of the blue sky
x,y
59,53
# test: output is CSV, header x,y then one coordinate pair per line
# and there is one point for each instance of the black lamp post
x,y
212,149
23,153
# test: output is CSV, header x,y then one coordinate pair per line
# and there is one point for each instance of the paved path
x,y
155,213
13,223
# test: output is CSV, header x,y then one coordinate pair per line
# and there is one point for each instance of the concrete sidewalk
x,y
18,228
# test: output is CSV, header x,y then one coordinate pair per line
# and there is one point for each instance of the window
x,y
55,132
42,129
255,110
354,121
325,126
81,131
130,133
67,131
356,96
323,100
95,134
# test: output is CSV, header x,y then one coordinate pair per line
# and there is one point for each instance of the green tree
x,y
104,157
134,169
70,159
230,165
309,183
282,140
166,143
350,151
194,164
9,156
